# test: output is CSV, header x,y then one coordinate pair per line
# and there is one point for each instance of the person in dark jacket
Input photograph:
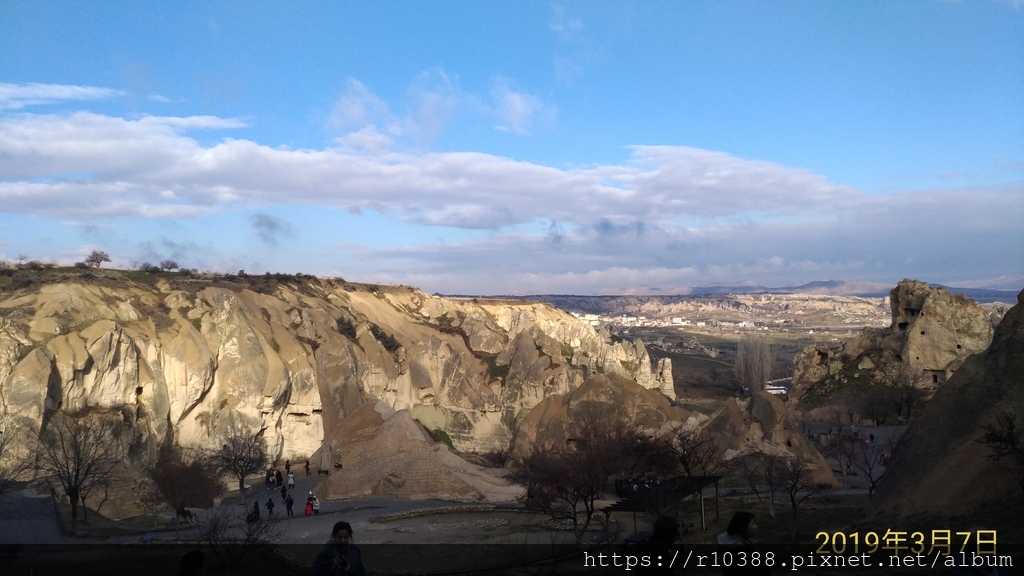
x,y
191,563
663,548
738,539
339,556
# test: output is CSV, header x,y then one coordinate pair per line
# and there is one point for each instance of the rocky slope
x,y
945,436
931,333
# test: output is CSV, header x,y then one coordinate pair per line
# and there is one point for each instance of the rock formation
x,y
351,376
739,426
944,438
193,359
763,423
377,451
932,332
647,410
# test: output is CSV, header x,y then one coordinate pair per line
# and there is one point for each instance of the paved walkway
x,y
29,518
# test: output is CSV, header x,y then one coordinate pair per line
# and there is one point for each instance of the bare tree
x,y
230,535
1005,439
875,404
242,454
168,265
148,496
80,451
96,258
843,448
762,468
185,478
98,486
567,480
697,453
12,461
867,457
753,362
901,384
794,478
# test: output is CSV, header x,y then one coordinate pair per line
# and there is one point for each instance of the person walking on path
x,y
291,480
288,503
279,477
270,507
316,506
284,493
287,466
307,467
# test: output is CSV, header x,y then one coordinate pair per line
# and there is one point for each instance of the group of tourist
x,y
274,479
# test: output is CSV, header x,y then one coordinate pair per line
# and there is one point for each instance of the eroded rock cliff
x,y
939,465
932,332
194,359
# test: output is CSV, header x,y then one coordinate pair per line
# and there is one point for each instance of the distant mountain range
x,y
1003,289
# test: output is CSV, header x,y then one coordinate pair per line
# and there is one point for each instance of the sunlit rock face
x,y
194,359
359,379
932,333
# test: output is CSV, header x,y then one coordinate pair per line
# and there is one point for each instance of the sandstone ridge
x,y
189,360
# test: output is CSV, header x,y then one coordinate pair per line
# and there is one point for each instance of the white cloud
x,y
367,140
433,103
518,111
358,108
133,166
17,96
668,216
878,239
562,24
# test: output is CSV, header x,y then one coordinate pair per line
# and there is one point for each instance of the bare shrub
x,y
230,534
1005,439
12,461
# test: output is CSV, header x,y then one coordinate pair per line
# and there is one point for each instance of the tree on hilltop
x,y
96,258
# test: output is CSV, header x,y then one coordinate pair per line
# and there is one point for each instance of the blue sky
x,y
520,147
